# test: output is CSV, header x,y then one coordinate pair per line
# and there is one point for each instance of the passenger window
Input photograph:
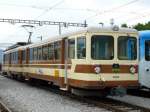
x,y
71,48
16,57
45,52
23,55
57,50
31,54
35,53
147,50
50,51
39,53
4,58
81,48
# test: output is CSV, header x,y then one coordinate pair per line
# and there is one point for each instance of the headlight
x,y
97,69
132,69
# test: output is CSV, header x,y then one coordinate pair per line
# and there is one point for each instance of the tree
x,y
141,26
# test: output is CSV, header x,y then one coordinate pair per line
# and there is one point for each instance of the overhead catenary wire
x,y
50,8
112,9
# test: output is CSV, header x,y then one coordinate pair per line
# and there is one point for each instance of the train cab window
x,y
147,50
71,48
81,48
39,53
127,48
57,51
45,52
102,47
51,51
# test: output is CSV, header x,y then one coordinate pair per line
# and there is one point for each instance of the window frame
x,y
39,53
146,41
118,48
43,52
81,37
70,47
35,54
57,47
110,36
51,51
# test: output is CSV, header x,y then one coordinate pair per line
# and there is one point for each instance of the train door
x,y
127,58
144,65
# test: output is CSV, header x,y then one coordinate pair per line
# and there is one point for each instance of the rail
x,y
106,103
4,108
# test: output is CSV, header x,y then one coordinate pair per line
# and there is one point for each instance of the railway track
x,y
140,93
4,108
106,103
109,104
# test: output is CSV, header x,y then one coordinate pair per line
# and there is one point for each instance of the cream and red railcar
x,y
90,59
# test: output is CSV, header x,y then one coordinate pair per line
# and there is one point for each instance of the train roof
x,y
85,30
144,33
81,31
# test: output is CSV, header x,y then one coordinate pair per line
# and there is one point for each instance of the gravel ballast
x,y
139,101
21,97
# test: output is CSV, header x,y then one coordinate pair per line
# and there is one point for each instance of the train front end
x,y
109,61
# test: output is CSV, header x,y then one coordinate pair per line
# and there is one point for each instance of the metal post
x,y
29,39
41,38
66,60
59,28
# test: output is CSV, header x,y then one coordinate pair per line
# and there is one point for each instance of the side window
x,y
23,55
81,48
31,54
16,57
51,51
35,53
12,58
57,50
39,53
4,58
45,52
147,50
71,48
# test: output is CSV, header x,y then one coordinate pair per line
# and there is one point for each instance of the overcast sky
x,y
93,11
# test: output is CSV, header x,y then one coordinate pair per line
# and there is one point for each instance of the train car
x,y
144,64
93,59
12,61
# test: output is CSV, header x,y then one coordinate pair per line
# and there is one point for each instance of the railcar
x,y
144,64
92,59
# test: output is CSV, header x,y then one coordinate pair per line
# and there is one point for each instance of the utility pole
x,y
40,37
112,22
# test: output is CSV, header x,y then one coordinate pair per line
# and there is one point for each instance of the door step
x,y
64,89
